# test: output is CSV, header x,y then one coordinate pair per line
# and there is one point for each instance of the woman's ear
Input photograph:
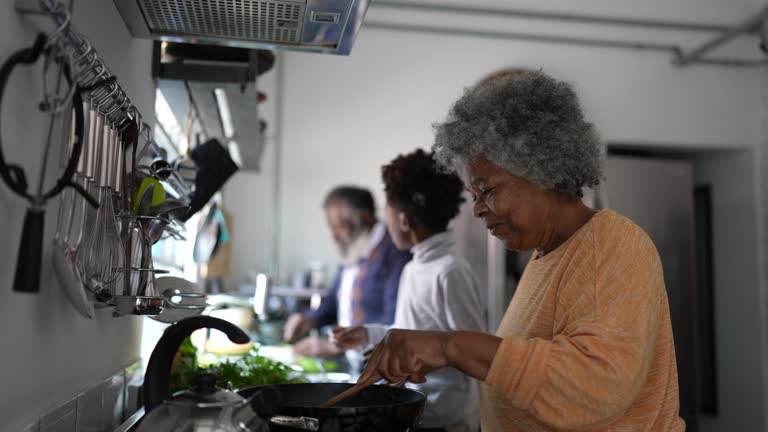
x,y
403,223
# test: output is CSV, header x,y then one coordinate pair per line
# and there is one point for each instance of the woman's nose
x,y
479,208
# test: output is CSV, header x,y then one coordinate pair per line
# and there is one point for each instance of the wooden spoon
x,y
355,389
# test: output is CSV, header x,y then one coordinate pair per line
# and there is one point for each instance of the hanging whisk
x,y
101,259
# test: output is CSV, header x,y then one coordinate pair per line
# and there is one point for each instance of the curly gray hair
x,y
528,123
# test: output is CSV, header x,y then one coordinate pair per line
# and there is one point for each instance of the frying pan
x,y
377,408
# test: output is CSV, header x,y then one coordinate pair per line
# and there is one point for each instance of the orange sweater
x,y
587,339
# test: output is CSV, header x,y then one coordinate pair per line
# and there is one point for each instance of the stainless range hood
x,y
324,26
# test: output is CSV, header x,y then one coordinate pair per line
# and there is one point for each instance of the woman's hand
x,y
407,355
349,337
411,355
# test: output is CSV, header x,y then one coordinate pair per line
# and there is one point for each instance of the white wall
x,y
344,117
49,352
250,197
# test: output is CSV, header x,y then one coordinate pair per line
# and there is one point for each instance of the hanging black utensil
x,y
27,276
214,168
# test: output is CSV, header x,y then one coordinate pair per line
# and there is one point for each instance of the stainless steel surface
x,y
177,304
138,305
277,21
131,424
156,229
112,165
106,156
146,282
87,175
102,255
170,208
303,423
63,252
183,298
98,149
65,211
132,275
203,408
63,265
90,161
120,172
324,26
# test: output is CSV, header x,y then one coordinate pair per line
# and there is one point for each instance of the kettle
x,y
204,407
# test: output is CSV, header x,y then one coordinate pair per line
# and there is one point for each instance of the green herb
x,y
249,370
187,348
181,378
310,365
253,370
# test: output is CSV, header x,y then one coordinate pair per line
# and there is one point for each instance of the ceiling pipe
x,y
552,16
753,23
756,23
679,56
531,37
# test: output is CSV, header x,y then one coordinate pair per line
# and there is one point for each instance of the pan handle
x,y
27,277
303,423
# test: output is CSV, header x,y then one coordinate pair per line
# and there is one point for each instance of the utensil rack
x,y
90,72
87,62
87,58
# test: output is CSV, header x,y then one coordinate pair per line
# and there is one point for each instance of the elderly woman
x,y
586,343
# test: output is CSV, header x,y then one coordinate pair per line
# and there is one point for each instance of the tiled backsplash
x,y
100,408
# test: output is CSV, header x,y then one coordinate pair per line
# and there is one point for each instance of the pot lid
x,y
205,394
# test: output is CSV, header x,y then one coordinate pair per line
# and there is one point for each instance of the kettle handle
x,y
157,380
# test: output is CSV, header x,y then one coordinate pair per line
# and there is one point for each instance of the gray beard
x,y
355,250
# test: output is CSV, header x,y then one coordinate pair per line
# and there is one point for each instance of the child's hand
x,y
349,337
